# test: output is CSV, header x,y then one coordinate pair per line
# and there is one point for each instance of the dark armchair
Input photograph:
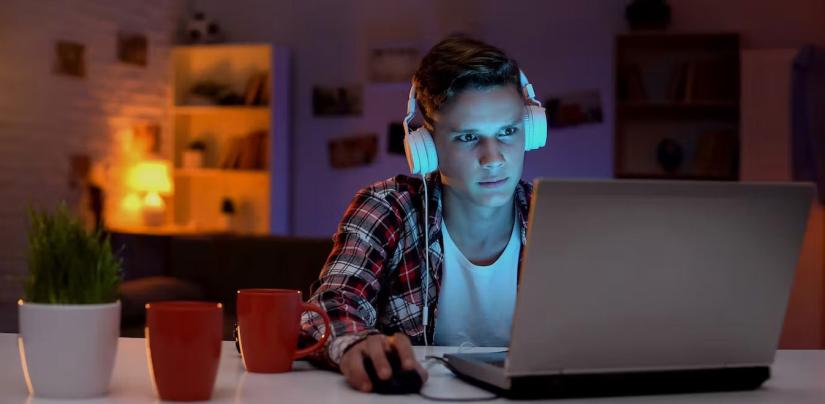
x,y
212,268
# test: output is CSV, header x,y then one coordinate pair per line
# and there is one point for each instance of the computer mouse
x,y
402,381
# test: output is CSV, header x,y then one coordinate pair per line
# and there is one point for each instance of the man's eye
x,y
466,138
509,131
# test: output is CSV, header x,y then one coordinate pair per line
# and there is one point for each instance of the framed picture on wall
x,y
392,65
70,59
132,48
333,101
575,108
146,138
353,151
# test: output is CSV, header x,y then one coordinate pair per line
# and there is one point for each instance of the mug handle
x,y
320,344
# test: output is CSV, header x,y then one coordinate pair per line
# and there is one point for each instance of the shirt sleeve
x,y
351,279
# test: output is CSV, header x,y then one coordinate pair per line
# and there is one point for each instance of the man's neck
x,y
480,232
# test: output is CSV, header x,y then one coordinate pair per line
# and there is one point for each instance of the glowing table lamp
x,y
152,178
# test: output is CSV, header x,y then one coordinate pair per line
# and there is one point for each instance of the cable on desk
x,y
458,399
452,399
436,358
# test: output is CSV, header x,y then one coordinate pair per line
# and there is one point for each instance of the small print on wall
x,y
70,59
132,48
392,65
353,151
146,138
573,109
332,101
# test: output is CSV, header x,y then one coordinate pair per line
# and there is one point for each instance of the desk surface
x,y
798,377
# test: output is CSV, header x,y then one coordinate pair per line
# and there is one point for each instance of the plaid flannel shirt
x,y
371,282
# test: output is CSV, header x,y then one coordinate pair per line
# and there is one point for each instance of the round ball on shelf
x,y
196,28
200,29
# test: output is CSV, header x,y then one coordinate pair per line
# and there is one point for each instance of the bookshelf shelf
x,y
216,172
217,109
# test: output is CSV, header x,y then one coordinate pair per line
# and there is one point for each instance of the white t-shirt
x,y
475,306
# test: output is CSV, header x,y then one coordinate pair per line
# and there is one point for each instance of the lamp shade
x,y
151,176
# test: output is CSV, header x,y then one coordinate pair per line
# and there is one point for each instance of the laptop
x,y
648,287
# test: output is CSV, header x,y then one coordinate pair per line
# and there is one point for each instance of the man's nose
x,y
491,156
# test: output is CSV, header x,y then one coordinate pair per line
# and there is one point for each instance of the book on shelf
x,y
257,89
714,80
717,153
679,82
631,83
246,152
231,155
703,81
266,87
252,151
253,86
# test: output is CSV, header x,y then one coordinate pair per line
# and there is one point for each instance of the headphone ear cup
x,y
420,150
535,127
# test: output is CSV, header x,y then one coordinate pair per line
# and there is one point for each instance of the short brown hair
x,y
455,64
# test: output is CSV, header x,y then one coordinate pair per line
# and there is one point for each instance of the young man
x,y
372,285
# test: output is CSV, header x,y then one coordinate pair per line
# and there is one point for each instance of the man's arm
x,y
351,279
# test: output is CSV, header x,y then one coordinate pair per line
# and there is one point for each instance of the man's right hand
x,y
376,347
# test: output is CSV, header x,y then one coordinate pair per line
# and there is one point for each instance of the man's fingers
x,y
422,372
405,351
376,352
407,355
352,366
376,348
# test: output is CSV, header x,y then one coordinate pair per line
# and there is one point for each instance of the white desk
x,y
798,377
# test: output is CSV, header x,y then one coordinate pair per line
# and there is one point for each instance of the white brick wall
x,y
44,117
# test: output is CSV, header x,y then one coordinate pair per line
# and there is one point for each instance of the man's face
x,y
479,138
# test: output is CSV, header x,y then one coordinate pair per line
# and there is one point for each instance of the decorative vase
x,y
648,14
192,158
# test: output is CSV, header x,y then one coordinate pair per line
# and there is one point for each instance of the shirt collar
x,y
434,188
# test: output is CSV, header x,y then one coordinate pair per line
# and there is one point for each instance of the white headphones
x,y
420,149
423,160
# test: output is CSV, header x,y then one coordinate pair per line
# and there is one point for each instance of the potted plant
x,y
70,313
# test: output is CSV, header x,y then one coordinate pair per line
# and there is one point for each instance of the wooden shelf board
x,y
214,172
665,110
212,109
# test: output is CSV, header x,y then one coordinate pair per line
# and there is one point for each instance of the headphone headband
x,y
527,89
410,109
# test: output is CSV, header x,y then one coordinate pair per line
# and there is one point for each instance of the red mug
x,y
268,328
183,343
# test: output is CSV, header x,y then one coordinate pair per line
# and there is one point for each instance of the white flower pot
x,y
68,351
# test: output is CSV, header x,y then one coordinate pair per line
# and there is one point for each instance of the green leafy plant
x,y
67,264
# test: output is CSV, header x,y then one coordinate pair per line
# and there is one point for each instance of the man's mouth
x,y
493,182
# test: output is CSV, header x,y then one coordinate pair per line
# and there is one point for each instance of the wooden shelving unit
x,y
246,141
677,106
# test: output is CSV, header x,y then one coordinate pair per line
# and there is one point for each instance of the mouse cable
x,y
453,399
426,315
